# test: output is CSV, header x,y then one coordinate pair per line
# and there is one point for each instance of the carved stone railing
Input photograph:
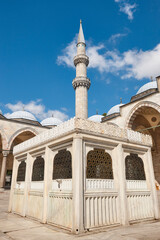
x,y
105,128
136,184
97,184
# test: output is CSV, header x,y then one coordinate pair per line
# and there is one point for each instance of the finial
x,y
80,21
121,100
151,79
96,112
52,115
23,107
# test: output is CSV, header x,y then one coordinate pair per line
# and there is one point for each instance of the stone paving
x,y
14,227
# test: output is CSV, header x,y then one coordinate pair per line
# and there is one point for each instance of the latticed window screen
x,y
38,169
21,172
62,165
134,167
99,164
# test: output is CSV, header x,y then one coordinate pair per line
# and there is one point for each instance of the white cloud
x,y
68,54
37,109
135,63
116,36
127,8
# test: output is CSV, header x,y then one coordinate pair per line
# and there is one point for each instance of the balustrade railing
x,y
136,184
99,184
62,184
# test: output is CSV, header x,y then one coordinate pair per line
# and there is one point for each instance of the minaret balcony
x,y
81,81
81,58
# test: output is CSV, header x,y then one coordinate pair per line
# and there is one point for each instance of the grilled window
x,y
62,165
21,172
134,167
99,164
38,169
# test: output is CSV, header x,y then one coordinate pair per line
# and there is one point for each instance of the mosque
x,y
86,173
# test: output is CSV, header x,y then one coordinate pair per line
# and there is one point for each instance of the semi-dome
x,y
22,115
51,121
147,86
95,118
115,109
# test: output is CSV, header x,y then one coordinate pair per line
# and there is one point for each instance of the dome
x,y
22,115
95,118
147,86
115,109
51,121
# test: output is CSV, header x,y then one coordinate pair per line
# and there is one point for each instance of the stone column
x,y
48,169
122,184
27,185
152,185
3,169
77,179
13,184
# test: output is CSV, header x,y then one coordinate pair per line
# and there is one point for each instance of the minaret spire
x,y
81,83
81,35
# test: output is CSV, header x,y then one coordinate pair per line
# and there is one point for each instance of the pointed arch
x,y
136,110
18,132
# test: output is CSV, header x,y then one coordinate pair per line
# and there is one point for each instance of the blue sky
x,y
37,44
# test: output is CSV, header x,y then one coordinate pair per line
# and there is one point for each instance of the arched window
x,y
38,169
21,172
134,167
99,164
62,165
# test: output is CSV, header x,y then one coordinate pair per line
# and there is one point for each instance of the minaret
x,y
81,83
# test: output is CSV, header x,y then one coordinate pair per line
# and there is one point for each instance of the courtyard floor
x,y
17,228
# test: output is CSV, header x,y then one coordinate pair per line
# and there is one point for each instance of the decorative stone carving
x,y
81,81
83,124
81,58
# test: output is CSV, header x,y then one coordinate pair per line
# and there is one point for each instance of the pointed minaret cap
x,y
81,35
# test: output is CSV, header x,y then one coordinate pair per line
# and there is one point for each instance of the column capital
x,y
5,153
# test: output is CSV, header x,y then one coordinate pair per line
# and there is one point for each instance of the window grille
x,y
38,169
62,165
134,167
99,164
21,172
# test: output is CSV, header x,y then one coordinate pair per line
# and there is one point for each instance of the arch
x,y
4,140
99,164
21,172
134,167
38,169
18,132
62,165
136,109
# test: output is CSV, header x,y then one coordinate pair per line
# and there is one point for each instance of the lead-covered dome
x,y
147,86
115,109
51,121
22,115
95,118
